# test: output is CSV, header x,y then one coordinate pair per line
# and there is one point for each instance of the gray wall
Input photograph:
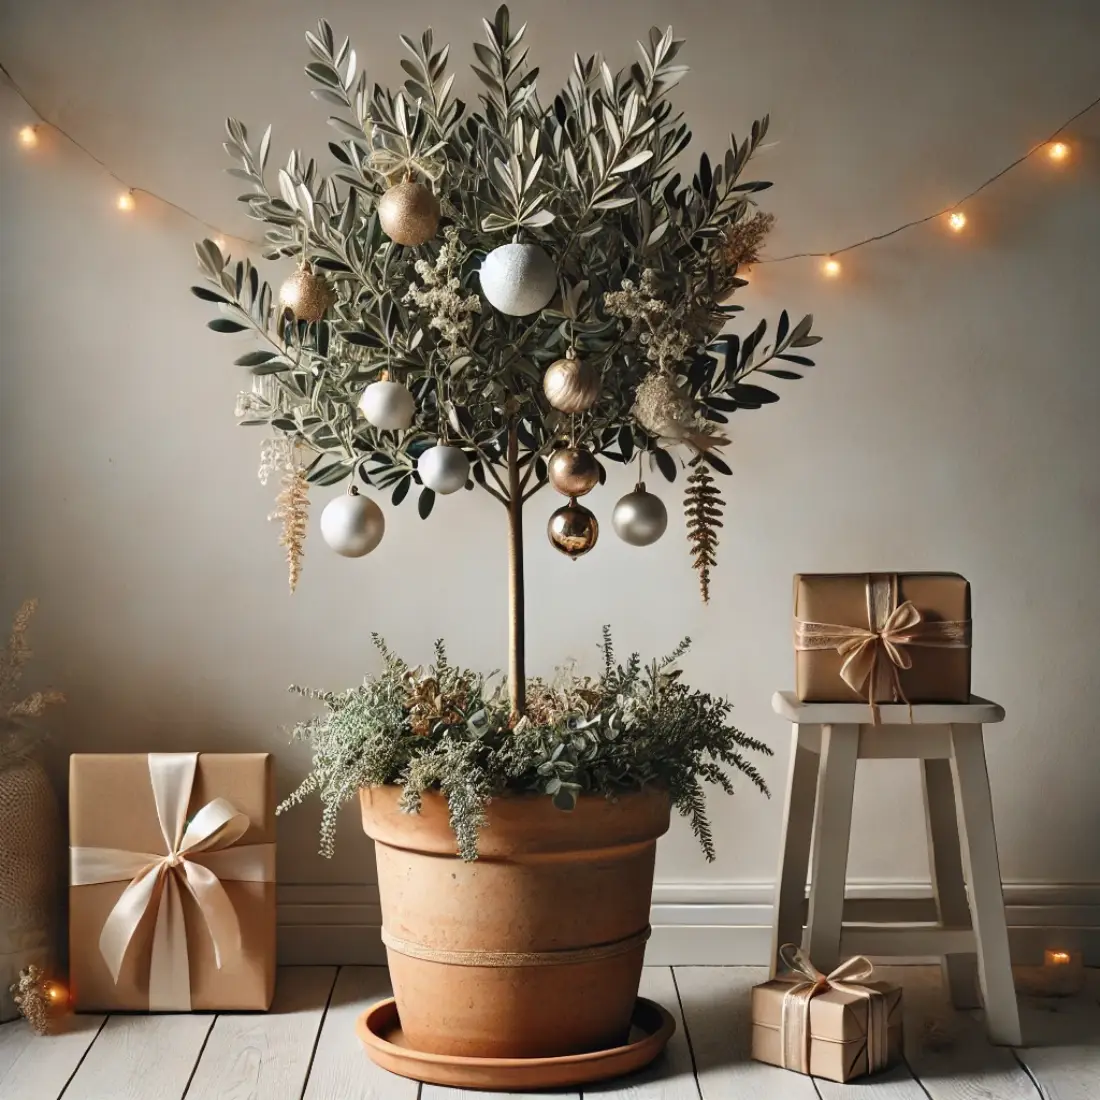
x,y
952,422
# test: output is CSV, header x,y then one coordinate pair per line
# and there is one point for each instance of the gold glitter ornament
x,y
573,530
573,471
409,213
570,384
307,295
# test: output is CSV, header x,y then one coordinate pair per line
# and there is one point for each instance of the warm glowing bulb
x,y
126,201
831,268
1057,150
957,220
56,992
28,137
1058,958
220,242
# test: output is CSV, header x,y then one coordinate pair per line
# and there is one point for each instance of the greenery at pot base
x,y
446,728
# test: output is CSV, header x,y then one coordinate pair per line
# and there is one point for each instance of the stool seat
x,y
979,711
968,930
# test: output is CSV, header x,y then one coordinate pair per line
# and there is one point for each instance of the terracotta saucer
x,y
380,1031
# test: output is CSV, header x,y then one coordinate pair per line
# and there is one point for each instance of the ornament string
x,y
425,165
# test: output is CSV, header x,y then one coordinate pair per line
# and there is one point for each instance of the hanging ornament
x,y
573,471
307,295
573,530
519,279
570,384
443,468
352,525
409,213
640,518
388,405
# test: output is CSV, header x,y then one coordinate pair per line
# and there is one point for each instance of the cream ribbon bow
x,y
157,881
873,655
795,1022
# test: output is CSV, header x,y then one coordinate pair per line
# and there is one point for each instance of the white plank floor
x,y
306,1049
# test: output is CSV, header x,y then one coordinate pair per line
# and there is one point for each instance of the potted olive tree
x,y
500,299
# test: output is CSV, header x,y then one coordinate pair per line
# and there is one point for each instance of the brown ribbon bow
x,y
809,982
875,654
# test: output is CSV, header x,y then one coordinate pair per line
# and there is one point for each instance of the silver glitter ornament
x,y
640,518
443,468
352,525
518,279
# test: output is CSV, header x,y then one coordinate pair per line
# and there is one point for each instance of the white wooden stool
x,y
827,740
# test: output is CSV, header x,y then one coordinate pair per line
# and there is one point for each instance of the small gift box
x,y
840,1026
172,886
882,637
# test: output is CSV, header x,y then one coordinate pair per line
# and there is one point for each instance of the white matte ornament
x,y
443,468
640,518
352,525
519,279
388,405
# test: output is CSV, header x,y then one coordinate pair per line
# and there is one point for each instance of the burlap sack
x,y
30,866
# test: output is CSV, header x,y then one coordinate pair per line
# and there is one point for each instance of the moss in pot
x,y
515,856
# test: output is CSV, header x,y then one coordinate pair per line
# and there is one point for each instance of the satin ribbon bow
x,y
198,854
795,1021
874,655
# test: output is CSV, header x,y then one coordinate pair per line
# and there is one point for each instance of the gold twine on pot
x,y
516,958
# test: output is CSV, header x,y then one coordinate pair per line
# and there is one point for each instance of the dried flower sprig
x,y
32,997
441,295
15,739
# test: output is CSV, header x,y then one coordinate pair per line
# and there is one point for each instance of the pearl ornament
x,y
388,405
352,524
443,468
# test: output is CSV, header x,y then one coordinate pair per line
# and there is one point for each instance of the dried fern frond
x,y
703,507
292,510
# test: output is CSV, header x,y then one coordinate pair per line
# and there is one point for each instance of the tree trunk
x,y
517,672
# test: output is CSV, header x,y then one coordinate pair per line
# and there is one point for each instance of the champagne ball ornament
x,y
352,525
573,471
307,295
443,468
570,384
409,213
573,530
640,518
388,405
519,279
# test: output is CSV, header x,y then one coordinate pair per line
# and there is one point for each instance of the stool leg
x,y
948,884
983,873
794,852
832,832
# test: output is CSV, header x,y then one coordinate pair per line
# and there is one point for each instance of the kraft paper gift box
x,y
882,637
168,883
838,1046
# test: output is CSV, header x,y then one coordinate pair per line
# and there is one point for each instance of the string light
x,y
1056,150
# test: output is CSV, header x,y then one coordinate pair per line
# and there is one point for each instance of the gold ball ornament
x,y
409,213
573,530
307,295
573,471
570,384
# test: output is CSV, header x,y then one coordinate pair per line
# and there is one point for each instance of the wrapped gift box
x,y
842,619
159,938
838,1019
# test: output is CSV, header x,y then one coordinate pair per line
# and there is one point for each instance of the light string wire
x,y
947,210
1038,147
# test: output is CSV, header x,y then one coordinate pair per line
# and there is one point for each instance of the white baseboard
x,y
704,924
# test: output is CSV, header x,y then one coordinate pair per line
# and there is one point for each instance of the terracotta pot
x,y
533,951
